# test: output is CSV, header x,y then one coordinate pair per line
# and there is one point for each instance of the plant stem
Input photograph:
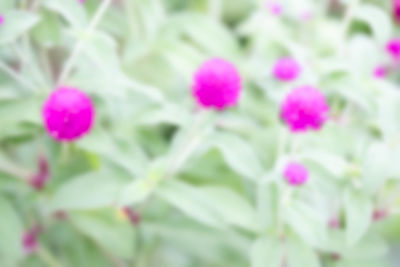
x,y
47,257
16,76
15,171
79,45
346,24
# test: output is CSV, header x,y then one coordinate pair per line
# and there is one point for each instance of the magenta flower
x,y
274,7
39,180
133,217
1,19
393,48
295,174
286,69
396,10
81,1
29,240
304,108
380,72
68,114
217,84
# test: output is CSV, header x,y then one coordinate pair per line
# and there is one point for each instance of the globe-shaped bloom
x,y
295,174
274,7
217,84
68,114
393,48
286,69
304,108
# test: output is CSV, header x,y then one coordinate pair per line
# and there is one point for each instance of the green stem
x,y
47,257
79,45
346,24
16,76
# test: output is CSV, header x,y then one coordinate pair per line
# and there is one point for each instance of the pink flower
x,y
39,180
1,19
380,72
295,174
286,69
81,1
133,217
396,10
68,114
379,215
217,84
393,48
274,7
29,239
304,108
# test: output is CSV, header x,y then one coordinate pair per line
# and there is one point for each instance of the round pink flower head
x,y
1,19
217,84
286,69
304,108
68,114
295,174
393,48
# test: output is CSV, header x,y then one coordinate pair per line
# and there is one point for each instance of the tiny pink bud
x,y
39,180
29,239
133,217
1,19
68,114
295,174
396,10
217,84
286,69
274,7
334,223
60,215
379,215
304,108
336,256
81,1
380,72
393,48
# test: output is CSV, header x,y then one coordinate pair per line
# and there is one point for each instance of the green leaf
x,y
116,237
17,22
307,223
266,252
233,208
70,10
89,191
238,154
11,234
48,31
300,254
377,19
358,210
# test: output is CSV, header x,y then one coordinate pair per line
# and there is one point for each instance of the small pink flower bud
x,y
217,84
379,215
334,223
380,72
286,69
39,180
1,19
133,217
396,10
29,239
68,114
274,7
304,108
393,48
295,174
60,215
81,1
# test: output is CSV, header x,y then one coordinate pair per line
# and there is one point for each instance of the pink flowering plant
x,y
191,133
